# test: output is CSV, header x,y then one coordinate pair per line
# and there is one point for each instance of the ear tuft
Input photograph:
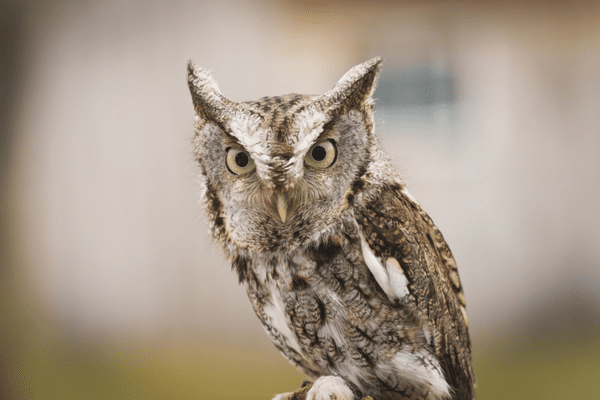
x,y
209,103
355,89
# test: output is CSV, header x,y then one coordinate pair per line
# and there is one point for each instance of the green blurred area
x,y
40,362
565,366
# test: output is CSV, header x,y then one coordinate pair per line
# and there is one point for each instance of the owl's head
x,y
281,172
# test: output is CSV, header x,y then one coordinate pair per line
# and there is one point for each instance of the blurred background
x,y
109,285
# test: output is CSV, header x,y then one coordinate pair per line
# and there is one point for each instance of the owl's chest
x,y
326,313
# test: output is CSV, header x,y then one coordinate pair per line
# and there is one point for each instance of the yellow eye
x,y
239,161
322,155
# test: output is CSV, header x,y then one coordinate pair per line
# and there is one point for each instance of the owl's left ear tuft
x,y
355,89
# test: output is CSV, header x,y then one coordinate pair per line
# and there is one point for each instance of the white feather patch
x,y
388,275
411,367
377,269
275,310
398,280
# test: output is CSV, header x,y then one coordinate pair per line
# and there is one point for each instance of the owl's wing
x,y
416,260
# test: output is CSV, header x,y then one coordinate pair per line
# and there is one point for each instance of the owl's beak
x,y
282,206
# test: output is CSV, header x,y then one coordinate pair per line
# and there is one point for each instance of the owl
x,y
350,278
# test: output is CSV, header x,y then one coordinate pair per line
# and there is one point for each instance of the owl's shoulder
x,y
395,226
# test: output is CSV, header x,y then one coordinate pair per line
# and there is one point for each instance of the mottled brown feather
x,y
396,226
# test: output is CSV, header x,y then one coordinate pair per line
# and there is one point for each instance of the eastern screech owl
x,y
350,278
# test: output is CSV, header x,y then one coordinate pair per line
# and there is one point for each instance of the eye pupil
x,y
241,159
319,153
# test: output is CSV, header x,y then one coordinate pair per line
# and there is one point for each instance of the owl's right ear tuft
x,y
209,103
